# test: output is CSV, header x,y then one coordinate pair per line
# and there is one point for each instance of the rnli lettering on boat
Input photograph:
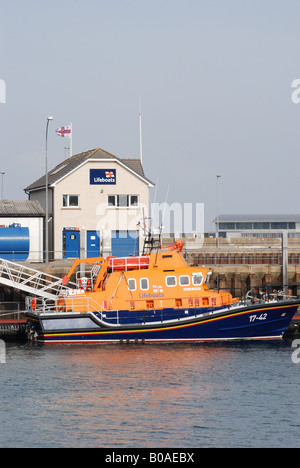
x,y
151,296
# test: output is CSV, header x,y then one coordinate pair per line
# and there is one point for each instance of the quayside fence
x,y
243,258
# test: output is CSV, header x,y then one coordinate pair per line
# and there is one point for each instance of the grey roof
x,y
24,208
236,218
68,165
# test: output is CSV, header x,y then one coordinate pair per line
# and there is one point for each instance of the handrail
x,y
76,303
30,280
128,263
263,293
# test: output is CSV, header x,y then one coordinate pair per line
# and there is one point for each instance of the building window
x,y
278,225
243,225
227,226
123,201
261,225
111,200
70,201
133,200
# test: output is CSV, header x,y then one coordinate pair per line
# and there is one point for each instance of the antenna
x,y
163,216
152,205
141,143
162,226
71,141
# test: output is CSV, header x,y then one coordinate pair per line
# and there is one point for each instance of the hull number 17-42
x,y
253,318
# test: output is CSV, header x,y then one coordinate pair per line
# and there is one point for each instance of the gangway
x,y
31,281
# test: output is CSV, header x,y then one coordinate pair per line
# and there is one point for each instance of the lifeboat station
x,y
97,203
94,205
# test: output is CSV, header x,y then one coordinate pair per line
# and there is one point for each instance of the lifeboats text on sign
x,y
103,177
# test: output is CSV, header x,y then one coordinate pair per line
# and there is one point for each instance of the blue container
x,y
14,242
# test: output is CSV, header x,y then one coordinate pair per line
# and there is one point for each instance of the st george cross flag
x,y
64,131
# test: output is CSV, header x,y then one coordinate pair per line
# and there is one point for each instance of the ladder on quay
x,y
31,281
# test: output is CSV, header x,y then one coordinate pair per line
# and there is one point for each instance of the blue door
x,y
124,243
92,244
71,243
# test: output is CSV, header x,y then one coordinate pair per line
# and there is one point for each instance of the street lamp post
x,y
47,195
2,174
217,233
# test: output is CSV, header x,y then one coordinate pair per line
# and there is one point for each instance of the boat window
x,y
132,284
144,284
171,281
184,280
208,277
197,279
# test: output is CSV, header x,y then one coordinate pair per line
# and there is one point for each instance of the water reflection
x,y
141,395
131,394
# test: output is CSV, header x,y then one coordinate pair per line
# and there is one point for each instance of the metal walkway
x,y
32,281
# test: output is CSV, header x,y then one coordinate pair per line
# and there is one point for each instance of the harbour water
x,y
242,394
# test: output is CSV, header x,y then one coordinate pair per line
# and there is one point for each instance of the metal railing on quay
x,y
202,256
11,310
242,258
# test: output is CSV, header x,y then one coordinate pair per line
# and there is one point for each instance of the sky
x,y
212,78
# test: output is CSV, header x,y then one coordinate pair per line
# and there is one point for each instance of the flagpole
x,y
47,196
67,132
71,142
141,144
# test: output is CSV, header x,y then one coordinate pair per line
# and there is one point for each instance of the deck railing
x,y
76,303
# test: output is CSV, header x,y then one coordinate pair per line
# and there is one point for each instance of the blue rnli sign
x,y
103,176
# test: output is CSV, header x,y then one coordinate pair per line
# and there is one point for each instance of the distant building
x,y
234,226
97,202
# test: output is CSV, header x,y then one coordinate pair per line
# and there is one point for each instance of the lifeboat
x,y
154,298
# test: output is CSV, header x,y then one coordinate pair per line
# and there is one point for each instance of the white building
x,y
96,203
257,225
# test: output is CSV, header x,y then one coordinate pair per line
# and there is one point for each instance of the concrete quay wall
x,y
237,266
239,279
243,264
